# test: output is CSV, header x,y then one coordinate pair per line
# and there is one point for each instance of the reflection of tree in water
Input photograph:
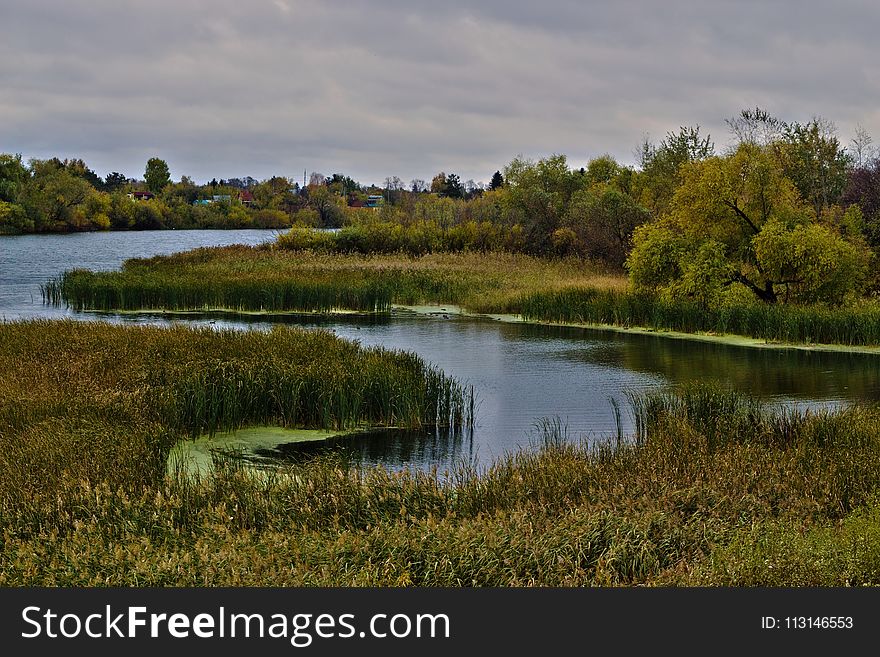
x,y
762,372
395,448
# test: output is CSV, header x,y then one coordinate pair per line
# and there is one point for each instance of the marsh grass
x,y
266,279
715,488
105,403
856,325
241,278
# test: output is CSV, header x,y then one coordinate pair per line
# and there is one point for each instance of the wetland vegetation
x,y
713,489
775,239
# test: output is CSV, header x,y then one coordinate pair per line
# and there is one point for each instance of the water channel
x,y
521,373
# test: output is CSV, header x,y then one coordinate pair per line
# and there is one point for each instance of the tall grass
x,y
243,278
857,325
278,280
415,239
125,394
716,488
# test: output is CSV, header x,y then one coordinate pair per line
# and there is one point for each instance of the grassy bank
x,y
264,279
713,489
102,403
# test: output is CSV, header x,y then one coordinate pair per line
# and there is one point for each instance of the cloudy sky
x,y
225,88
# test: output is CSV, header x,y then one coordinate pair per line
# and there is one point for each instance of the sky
x,y
226,88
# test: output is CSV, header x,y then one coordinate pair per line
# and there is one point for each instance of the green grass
x,y
241,278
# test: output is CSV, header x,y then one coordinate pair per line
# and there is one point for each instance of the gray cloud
x,y
225,88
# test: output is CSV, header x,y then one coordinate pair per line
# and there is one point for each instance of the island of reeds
x,y
713,488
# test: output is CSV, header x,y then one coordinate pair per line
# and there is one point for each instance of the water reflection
x,y
394,448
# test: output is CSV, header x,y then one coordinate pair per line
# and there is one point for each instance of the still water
x,y
520,373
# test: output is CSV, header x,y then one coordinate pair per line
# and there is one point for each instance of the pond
x,y
521,373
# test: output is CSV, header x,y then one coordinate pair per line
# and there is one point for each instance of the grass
x,y
714,489
854,326
244,278
272,279
123,395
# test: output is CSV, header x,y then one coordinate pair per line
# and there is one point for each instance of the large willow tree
x,y
737,222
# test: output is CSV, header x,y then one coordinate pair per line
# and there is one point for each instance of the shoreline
x,y
452,310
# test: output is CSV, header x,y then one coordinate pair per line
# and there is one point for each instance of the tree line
x,y
785,212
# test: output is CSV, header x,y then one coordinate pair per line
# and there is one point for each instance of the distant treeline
x,y
784,213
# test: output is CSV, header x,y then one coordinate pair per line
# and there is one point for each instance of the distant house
x,y
244,197
374,201
141,196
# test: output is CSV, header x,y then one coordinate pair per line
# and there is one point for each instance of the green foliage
x,y
52,196
603,220
743,205
157,175
13,174
810,262
13,219
661,163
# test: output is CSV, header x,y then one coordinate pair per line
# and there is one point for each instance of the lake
x,y
521,373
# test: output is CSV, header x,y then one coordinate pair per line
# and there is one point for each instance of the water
x,y
521,373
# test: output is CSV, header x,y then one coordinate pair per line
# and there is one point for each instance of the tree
x,y
52,196
814,160
660,165
79,169
114,181
603,220
738,220
863,190
756,127
156,175
417,186
453,187
537,196
329,206
497,181
863,150
438,183
13,174
602,169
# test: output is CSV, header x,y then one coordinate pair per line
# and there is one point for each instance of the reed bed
x,y
858,325
241,278
102,402
715,488
261,279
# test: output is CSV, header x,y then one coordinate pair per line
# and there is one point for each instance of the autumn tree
x,y
52,196
738,220
13,175
537,196
603,219
660,163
